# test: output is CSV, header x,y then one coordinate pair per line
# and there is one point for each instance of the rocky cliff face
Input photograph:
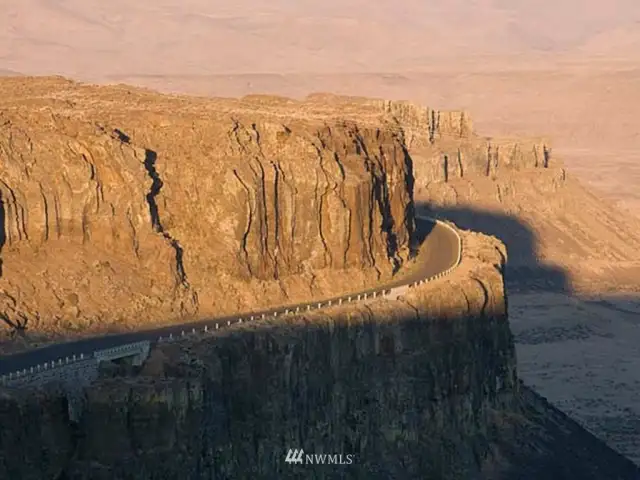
x,y
122,206
443,144
115,213
332,197
471,159
517,190
423,387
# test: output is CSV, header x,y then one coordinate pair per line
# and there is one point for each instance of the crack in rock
x,y
150,158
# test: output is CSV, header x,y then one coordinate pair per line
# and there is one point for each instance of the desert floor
x,y
584,356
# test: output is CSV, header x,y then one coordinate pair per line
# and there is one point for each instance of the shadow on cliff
x,y
524,270
403,397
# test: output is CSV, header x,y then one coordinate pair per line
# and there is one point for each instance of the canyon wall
x,y
568,245
122,207
517,190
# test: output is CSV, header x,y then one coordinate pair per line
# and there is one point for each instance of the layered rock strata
x,y
123,207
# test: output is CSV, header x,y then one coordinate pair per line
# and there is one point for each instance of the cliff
x,y
123,207
116,213
517,190
422,387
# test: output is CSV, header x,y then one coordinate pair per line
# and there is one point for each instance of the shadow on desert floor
x,y
581,352
525,271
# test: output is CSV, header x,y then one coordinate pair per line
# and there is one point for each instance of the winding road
x,y
439,251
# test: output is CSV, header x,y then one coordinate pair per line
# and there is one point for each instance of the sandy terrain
x,y
95,39
568,70
584,355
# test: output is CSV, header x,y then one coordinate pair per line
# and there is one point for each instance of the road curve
x,y
439,252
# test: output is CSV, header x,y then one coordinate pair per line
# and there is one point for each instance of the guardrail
x,y
66,369
138,349
141,349
214,326
42,368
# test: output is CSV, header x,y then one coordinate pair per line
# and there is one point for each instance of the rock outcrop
x,y
568,245
518,191
123,207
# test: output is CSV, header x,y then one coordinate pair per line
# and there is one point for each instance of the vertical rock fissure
x,y
410,211
341,195
547,156
250,144
445,162
20,217
150,158
264,217
46,215
260,157
134,235
381,189
361,149
320,198
276,214
488,169
56,209
432,126
371,219
245,235
287,235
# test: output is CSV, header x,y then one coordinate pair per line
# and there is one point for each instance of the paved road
x,y
438,252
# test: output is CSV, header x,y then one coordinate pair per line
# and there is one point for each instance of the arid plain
x,y
567,71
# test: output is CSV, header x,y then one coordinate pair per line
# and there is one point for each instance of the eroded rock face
x,y
478,158
78,232
331,197
29,414
122,206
